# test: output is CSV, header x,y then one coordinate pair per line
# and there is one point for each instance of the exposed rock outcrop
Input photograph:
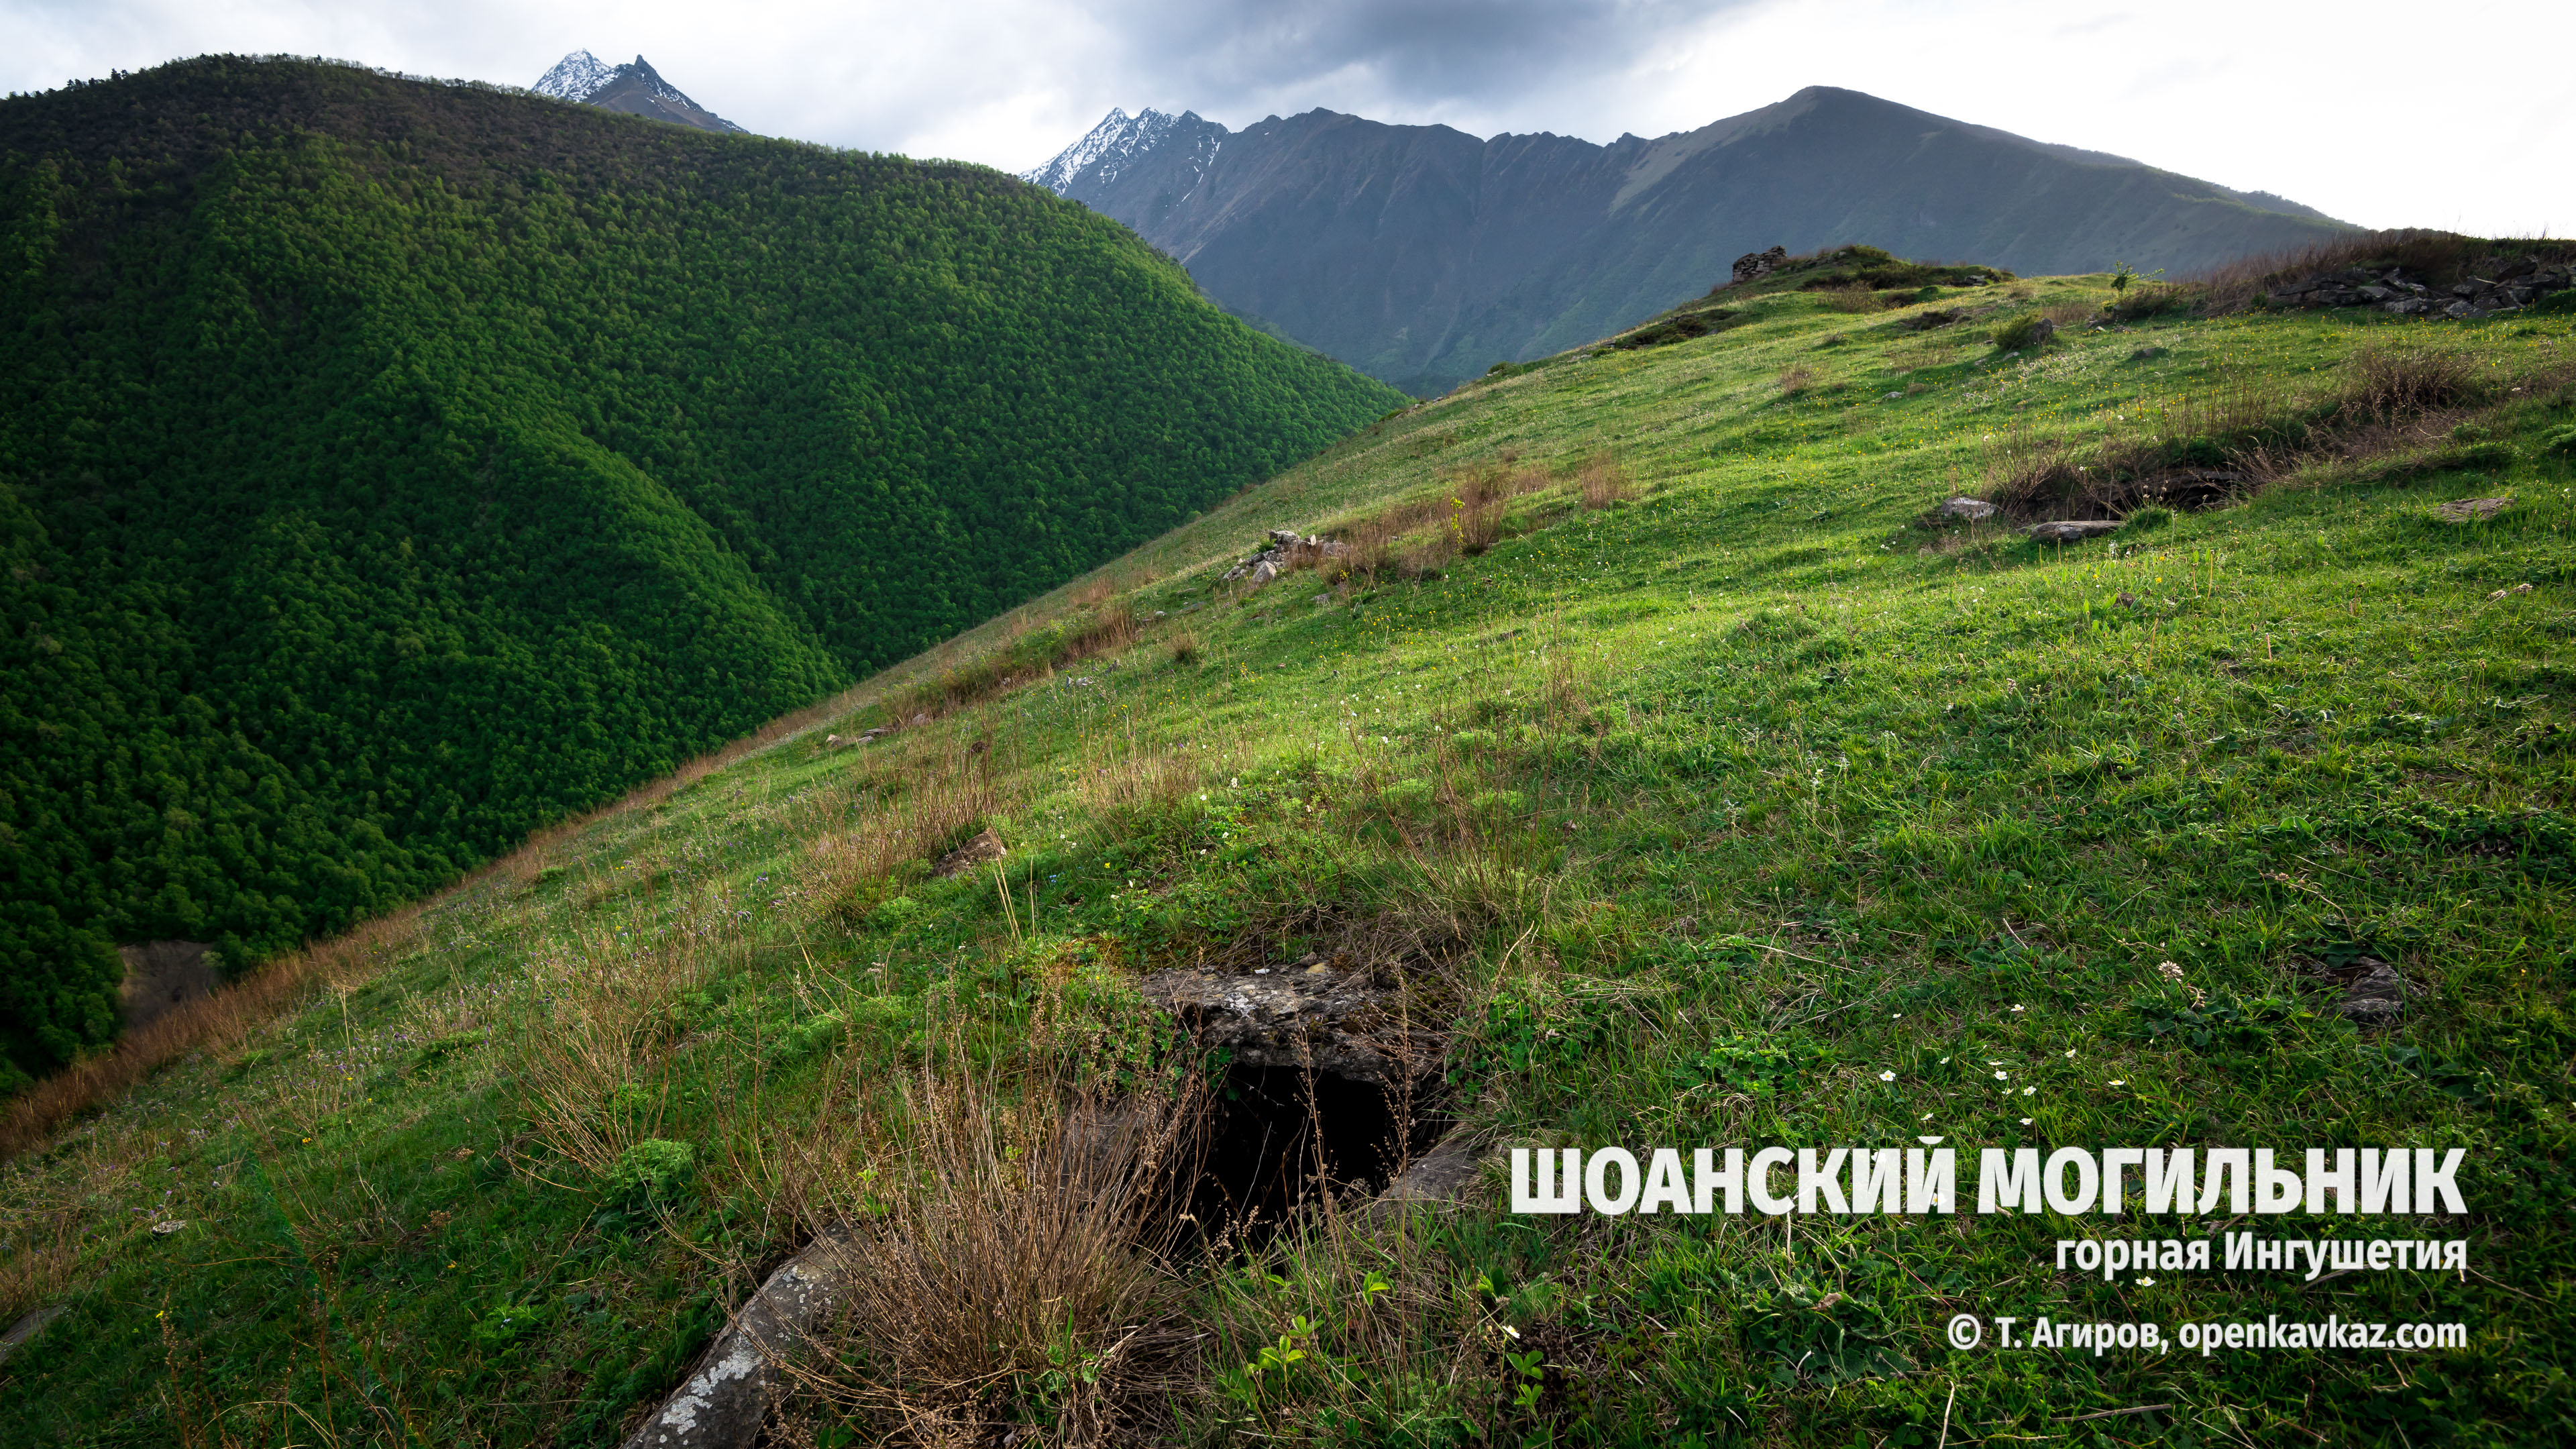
x,y
983,848
1447,1174
2072,530
1326,1016
723,1401
1753,265
2496,284
2472,510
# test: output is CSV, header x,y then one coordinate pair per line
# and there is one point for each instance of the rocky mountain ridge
x,y
1424,255
635,89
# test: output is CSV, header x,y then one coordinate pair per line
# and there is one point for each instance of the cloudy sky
x,y
2460,116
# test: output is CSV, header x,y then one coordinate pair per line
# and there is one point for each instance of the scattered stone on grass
x,y
986,846
28,1327
725,1398
1286,549
1446,1176
1970,509
2376,993
2072,530
2471,510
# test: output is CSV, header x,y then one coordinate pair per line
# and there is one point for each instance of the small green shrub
x,y
2018,333
882,1013
506,1324
2153,299
653,1172
1408,798
807,1037
2562,442
2147,519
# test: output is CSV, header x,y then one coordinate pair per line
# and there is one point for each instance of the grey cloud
x,y
1402,55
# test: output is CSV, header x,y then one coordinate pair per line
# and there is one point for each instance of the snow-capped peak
x,y
661,88
1118,141
576,77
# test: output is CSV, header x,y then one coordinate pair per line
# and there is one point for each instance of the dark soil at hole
x,y
1268,1139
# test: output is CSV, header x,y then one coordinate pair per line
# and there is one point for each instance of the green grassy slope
x,y
1744,810
388,468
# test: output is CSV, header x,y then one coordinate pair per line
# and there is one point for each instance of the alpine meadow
x,y
838,813
388,469
1122,1008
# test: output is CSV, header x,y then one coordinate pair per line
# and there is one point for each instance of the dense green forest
x,y
387,468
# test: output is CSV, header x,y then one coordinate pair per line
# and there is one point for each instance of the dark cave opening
x,y
1275,1130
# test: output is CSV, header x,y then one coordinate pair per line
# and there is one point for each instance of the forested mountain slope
x,y
1424,255
387,468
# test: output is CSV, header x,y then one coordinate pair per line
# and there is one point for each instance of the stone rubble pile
x,y
2498,284
1753,265
1286,550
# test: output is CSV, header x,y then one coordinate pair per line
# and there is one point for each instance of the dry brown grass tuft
x,y
2028,473
1018,1262
2389,383
43,1251
216,1023
1126,780
1604,483
921,798
588,1083
1796,379
1103,628
1855,298
1468,513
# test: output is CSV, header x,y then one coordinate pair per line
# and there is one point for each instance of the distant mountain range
x,y
1423,255
636,90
